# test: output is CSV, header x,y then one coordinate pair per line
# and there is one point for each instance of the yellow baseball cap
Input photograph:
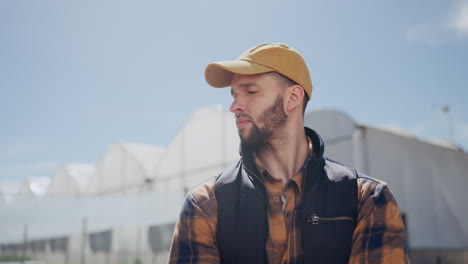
x,y
269,57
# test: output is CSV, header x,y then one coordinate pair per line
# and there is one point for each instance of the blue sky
x,y
76,76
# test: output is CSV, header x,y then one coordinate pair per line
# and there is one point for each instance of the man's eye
x,y
252,92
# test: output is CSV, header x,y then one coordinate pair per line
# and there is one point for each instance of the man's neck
x,y
285,154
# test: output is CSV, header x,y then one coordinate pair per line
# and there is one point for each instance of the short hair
x,y
286,82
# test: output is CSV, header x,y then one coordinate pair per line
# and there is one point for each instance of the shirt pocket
x,y
327,239
317,220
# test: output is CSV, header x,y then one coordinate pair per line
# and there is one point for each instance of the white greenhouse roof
x,y
124,167
71,179
36,186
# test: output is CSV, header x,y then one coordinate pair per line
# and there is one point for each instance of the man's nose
x,y
236,106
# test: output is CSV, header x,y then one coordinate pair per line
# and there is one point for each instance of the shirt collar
x,y
298,177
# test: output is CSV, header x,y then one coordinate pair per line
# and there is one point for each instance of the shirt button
x,y
280,247
276,199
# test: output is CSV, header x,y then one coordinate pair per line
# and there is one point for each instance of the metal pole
x,y
446,110
25,242
67,250
138,245
84,238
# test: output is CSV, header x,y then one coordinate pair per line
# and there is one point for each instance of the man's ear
x,y
296,94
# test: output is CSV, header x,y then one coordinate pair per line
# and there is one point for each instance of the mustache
x,y
243,115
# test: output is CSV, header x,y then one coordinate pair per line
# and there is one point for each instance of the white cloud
x,y
452,24
460,19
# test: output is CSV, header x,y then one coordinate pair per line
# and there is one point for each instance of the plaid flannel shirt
x,y
378,236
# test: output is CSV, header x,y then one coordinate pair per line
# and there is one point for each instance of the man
x,y
283,202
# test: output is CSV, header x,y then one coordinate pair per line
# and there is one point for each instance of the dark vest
x,y
327,214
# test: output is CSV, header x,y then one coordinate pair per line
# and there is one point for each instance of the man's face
x,y
259,108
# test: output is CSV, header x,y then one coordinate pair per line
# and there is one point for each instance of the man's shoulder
x,y
369,183
337,171
229,174
206,190
203,193
374,189
368,187
365,183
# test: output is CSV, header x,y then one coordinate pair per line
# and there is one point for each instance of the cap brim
x,y
219,74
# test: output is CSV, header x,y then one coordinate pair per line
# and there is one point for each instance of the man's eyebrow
x,y
247,85
244,85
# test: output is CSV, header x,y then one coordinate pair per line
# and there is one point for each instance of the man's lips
x,y
242,122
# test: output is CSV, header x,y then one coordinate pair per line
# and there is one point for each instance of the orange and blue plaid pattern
x,y
284,241
378,236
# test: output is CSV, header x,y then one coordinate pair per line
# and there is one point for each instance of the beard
x,y
272,119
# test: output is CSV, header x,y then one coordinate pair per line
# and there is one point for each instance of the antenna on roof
x,y
446,110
